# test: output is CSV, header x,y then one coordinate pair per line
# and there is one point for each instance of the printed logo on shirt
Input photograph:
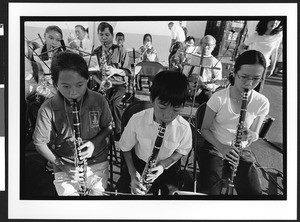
x,y
94,118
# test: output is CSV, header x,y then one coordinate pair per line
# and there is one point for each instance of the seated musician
x,y
120,39
43,57
53,35
228,134
168,94
190,45
148,53
31,74
114,62
80,44
56,132
212,71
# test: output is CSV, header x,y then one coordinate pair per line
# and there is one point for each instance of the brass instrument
x,y
105,82
237,143
83,191
153,158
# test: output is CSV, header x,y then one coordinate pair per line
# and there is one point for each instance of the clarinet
x,y
151,163
237,143
77,153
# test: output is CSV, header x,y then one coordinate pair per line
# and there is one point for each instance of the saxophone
x,y
153,158
237,143
83,191
105,83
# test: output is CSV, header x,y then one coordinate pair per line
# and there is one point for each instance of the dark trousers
x,y
203,96
115,96
214,170
167,182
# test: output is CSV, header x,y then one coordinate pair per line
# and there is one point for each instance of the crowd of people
x,y
192,72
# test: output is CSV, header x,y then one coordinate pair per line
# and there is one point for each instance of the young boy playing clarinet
x,y
139,139
54,135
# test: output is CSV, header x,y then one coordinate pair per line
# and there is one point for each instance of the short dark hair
x,y
54,28
170,87
103,25
262,27
145,36
121,34
67,60
250,57
189,38
81,27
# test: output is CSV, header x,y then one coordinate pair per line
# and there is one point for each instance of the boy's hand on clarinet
x,y
155,173
86,149
136,186
73,173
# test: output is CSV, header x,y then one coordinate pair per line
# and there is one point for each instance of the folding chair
x,y
148,69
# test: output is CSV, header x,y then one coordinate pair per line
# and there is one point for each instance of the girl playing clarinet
x,y
219,129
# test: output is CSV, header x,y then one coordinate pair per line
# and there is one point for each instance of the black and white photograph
x,y
183,109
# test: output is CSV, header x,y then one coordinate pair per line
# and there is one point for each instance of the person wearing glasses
x,y
219,129
212,70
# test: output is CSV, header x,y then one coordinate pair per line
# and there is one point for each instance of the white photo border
x,y
168,209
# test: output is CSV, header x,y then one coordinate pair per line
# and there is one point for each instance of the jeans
x,y
214,170
203,96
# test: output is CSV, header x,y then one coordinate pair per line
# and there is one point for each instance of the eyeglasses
x,y
208,44
247,78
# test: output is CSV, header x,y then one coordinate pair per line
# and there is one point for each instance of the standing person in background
x,y
81,43
114,62
266,39
184,29
120,39
177,39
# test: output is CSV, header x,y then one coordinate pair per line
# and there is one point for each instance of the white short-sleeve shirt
x,y
266,44
141,132
177,33
225,124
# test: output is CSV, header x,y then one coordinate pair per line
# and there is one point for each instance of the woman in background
x,y
266,39
147,50
148,54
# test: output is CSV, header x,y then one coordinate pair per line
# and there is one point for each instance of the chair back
x,y
200,115
133,108
149,69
